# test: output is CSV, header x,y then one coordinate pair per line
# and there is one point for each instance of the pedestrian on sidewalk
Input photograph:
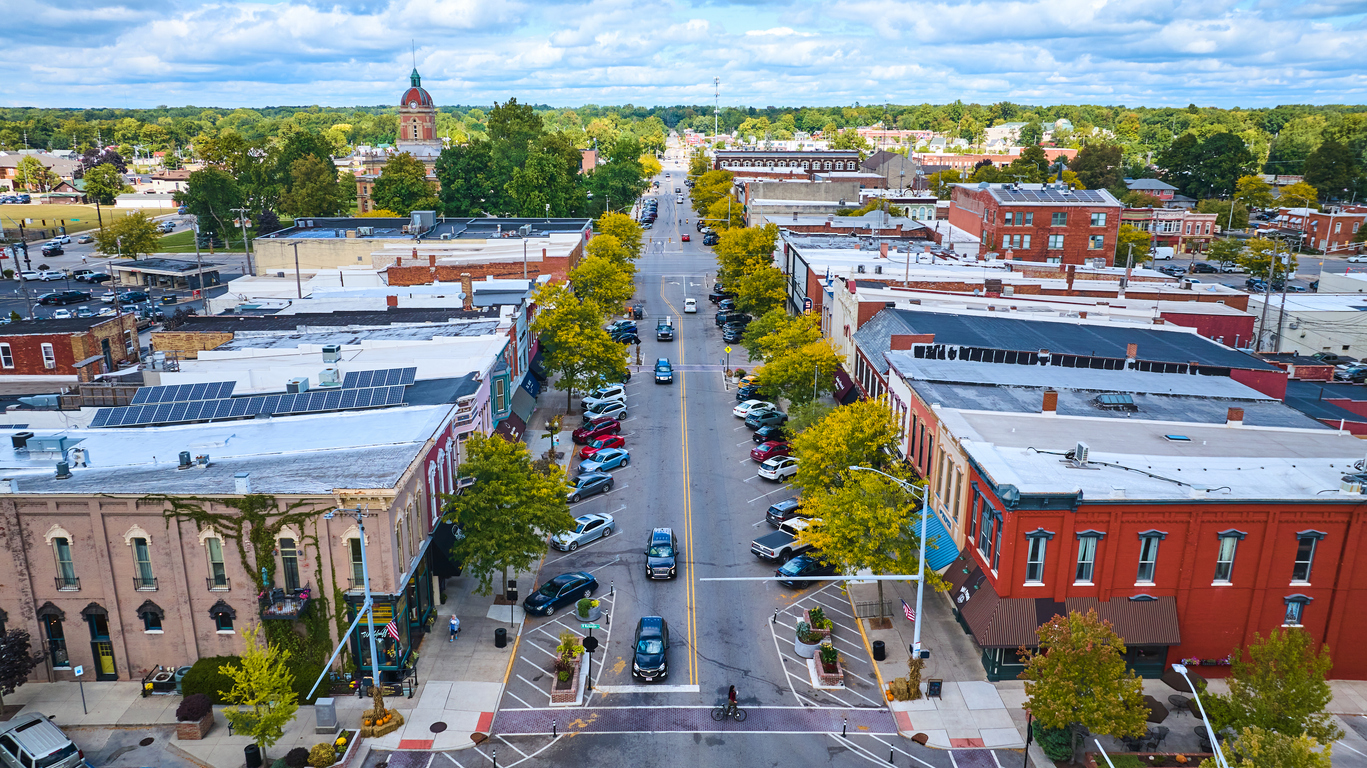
x,y
455,628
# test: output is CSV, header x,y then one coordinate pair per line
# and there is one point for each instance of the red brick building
x,y
1039,222
1330,230
61,347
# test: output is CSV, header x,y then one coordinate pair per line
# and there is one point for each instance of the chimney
x,y
1072,275
1131,351
1082,314
467,287
1050,405
391,301
243,483
904,341
431,259
883,250
1235,418
398,261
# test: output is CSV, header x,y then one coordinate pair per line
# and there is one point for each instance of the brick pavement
x,y
691,719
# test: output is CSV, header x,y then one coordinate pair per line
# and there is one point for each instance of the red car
x,y
765,451
611,441
684,237
601,427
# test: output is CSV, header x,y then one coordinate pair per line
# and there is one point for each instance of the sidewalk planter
x,y
806,642
570,693
588,610
829,670
348,749
194,717
195,730
816,616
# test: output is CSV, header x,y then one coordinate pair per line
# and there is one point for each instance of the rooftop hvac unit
x,y
525,230
330,377
365,231
878,269
332,353
1080,453
861,269
297,384
446,235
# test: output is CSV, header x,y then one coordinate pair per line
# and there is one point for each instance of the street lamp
x,y
1220,760
919,493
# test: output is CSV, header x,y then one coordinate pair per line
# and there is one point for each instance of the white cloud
x,y
568,52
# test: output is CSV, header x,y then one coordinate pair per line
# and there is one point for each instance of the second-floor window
x,y
1096,242
218,573
66,569
1086,556
1098,219
500,394
6,356
357,569
1148,559
1056,242
1224,558
1034,561
1059,219
289,564
49,357
1306,541
142,565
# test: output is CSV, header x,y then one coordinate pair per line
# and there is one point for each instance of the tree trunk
x,y
881,613
1079,743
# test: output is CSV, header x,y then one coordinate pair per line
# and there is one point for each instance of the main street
x,y
690,471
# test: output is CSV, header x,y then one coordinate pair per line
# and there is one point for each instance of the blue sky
x,y
228,53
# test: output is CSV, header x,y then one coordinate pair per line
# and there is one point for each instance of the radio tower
x,y
716,109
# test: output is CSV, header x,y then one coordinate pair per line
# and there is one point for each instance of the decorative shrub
x,y
829,656
297,757
1127,761
739,373
322,755
569,647
1057,744
585,605
819,620
806,636
205,678
193,708
280,763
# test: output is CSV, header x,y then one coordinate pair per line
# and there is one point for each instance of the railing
x,y
279,604
869,609
217,585
142,584
354,583
68,584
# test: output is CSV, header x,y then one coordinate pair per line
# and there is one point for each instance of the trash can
x,y
500,638
880,651
253,755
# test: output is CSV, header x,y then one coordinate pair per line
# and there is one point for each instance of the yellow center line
x,y
689,593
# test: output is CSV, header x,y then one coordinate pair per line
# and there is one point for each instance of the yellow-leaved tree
x,y
263,690
620,226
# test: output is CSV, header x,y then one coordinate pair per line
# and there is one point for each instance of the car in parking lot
x,y
611,441
563,590
727,318
605,459
794,571
747,391
726,305
64,297
664,372
43,275
62,314
613,391
765,417
590,402
626,337
620,326
31,740
81,274
587,528
710,239
83,239
612,408
778,468
1172,270
742,410
1202,268
718,295
690,306
650,659
600,427
732,333
662,554
766,434
782,511
98,277
765,451
589,485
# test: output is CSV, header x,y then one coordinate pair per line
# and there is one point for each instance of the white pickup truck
x,y
782,544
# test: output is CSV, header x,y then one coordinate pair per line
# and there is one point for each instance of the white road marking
x,y
770,493
519,698
649,689
520,752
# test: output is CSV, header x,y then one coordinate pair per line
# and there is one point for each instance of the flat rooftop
x,y
1315,302
303,322
379,228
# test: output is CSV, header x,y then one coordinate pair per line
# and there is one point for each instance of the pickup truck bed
x,y
780,545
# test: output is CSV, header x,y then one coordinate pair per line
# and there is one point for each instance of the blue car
x,y
664,372
605,459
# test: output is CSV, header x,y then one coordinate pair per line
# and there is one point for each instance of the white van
x,y
1161,253
691,306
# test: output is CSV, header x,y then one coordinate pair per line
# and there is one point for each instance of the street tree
x,y
1333,169
1278,684
104,182
17,660
1131,246
403,186
1224,251
761,290
801,375
1076,679
210,195
742,251
1300,195
1253,192
762,327
804,415
726,213
863,434
601,282
627,232
1098,166
622,178
505,515
942,182
868,522
709,188
314,188
130,236
577,349
1262,257
1223,217
1138,199
263,690
650,166
781,333
267,222
33,176
1259,748
609,248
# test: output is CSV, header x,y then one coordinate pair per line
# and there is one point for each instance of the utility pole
x,y
203,293
716,108
246,247
298,282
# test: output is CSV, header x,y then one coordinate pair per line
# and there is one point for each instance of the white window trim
x,y
6,353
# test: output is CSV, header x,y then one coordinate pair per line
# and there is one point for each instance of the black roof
x,y
49,327
1067,338
1313,398
203,324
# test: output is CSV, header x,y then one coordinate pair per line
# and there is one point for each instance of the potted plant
x,y
565,681
194,717
816,617
807,641
829,670
589,609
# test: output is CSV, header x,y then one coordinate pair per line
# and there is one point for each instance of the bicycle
x,y
728,710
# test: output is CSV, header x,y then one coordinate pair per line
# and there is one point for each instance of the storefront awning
x,y
998,622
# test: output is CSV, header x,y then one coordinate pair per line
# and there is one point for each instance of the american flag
x,y
911,615
392,629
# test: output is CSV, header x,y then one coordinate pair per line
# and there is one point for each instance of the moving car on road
x,y
664,330
685,237
587,528
560,591
779,468
662,554
664,372
690,306
651,644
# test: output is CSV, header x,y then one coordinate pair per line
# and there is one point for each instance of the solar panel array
x,y
213,390
248,407
385,377
1049,195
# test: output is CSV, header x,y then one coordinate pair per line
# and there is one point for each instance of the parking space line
x,y
742,461
519,698
520,752
770,493
744,442
452,759
534,687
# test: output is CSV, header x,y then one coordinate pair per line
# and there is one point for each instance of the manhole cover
x,y
146,742
437,727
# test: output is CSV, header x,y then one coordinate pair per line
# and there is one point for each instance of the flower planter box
x,y
834,678
595,613
807,617
352,747
570,693
195,729
804,650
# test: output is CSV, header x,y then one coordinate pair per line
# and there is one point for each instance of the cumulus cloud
x,y
568,52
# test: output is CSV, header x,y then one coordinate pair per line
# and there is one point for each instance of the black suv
x,y
1202,268
650,660
664,331
662,554
727,318
782,511
711,239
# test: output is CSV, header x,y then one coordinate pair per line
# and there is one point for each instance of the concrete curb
x,y
182,754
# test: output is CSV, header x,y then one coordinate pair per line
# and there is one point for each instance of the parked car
x,y
605,459
747,392
619,326
61,314
589,485
626,337
1172,270
600,427
732,333
1232,267
1330,357
587,529
802,566
1202,268
98,277
81,274
726,305
134,297
61,240
727,318
782,544
662,554
765,434
43,275
664,372
711,239
717,295
783,511
767,417
743,410
779,468
765,451
589,402
611,441
613,391
565,589
32,741
612,408
64,297
690,306
650,660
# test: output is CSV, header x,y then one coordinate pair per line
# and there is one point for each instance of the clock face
x,y
412,105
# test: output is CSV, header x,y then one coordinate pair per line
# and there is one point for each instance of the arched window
x,y
828,165
432,493
805,165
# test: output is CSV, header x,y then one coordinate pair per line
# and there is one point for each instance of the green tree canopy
x,y
742,251
1333,169
1259,748
403,187
942,182
263,690
1098,166
32,175
801,375
1278,684
1131,247
1224,251
710,187
315,189
602,282
104,182
1253,192
576,347
1263,257
210,195
863,434
1221,209
622,227
760,291
131,236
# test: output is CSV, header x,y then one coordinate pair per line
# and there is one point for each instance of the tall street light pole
x,y
1220,760
918,493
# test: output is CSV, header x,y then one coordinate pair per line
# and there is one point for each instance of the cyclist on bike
x,y
731,701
